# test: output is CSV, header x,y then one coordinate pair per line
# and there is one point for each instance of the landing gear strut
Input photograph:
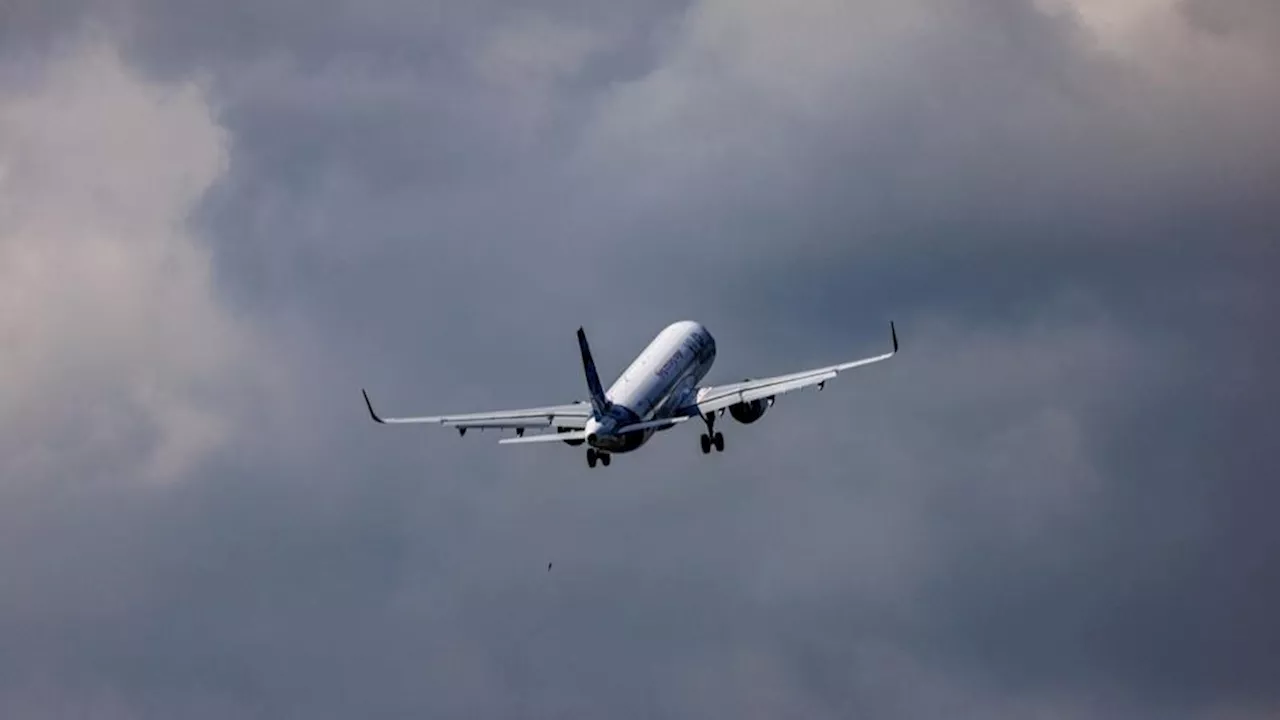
x,y
594,455
711,438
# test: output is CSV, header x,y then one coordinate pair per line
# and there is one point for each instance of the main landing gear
x,y
711,438
594,455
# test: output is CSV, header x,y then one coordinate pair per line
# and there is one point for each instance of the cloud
x,y
870,112
119,357
526,58
1053,503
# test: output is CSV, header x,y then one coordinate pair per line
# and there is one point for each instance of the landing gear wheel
x,y
592,456
605,458
711,437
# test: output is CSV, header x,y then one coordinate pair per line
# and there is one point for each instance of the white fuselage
x,y
662,378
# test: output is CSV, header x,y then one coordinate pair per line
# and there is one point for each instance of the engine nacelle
x,y
749,412
571,443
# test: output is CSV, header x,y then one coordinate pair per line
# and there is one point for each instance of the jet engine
x,y
569,442
749,412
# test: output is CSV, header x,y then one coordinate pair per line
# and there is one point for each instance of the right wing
x,y
718,397
573,416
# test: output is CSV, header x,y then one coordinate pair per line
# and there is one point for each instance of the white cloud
x,y
1160,38
1116,21
118,358
746,81
750,81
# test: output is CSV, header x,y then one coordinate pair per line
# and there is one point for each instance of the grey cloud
x,y
1053,503
1256,19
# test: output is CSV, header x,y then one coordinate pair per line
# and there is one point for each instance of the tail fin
x,y
599,404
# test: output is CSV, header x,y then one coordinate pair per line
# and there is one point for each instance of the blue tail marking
x,y
599,405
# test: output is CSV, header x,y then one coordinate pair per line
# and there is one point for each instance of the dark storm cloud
x,y
1055,501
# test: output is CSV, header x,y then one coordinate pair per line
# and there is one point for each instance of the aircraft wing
x,y
718,397
574,416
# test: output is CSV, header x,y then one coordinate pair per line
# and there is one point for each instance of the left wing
x,y
561,416
718,397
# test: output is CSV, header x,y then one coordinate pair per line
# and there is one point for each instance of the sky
x,y
220,220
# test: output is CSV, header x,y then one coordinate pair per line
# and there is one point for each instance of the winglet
x,y
894,332
599,404
369,404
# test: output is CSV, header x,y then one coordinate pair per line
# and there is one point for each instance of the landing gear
x,y
711,438
594,455
710,441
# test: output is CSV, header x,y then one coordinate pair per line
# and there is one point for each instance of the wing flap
x,y
748,392
498,423
713,398
573,416
544,438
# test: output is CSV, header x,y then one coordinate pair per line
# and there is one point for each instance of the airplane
x,y
658,391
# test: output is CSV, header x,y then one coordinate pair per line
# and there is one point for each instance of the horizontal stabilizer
x,y
544,438
652,425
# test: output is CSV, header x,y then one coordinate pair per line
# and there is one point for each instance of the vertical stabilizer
x,y
599,404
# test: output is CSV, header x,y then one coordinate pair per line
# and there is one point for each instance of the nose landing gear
x,y
594,455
